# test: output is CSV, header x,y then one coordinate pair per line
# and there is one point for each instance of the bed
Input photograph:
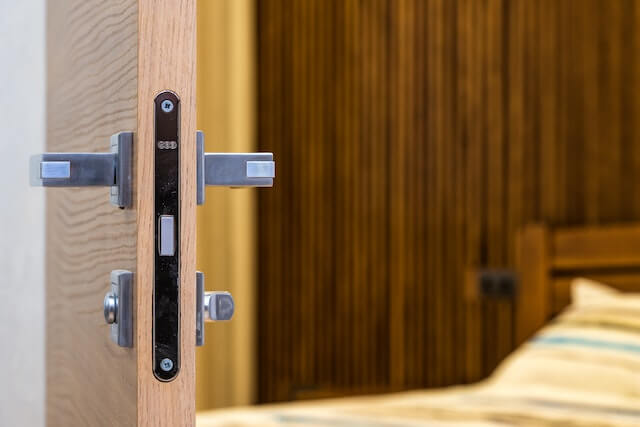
x,y
578,318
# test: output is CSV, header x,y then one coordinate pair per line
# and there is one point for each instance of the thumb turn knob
x,y
218,306
110,308
210,307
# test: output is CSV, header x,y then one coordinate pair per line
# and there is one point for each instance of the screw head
x,y
166,364
167,106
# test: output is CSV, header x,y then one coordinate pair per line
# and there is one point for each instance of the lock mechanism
x,y
111,169
166,275
118,308
114,169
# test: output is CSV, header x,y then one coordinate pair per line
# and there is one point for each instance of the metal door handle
x,y
113,169
232,169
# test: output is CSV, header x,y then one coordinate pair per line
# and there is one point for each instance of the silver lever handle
x,y
113,169
232,169
210,307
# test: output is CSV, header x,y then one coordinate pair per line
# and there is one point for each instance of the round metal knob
x,y
110,308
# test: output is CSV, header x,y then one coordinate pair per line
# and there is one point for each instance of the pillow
x,y
587,293
589,353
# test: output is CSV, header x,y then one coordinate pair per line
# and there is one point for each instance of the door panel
x,y
92,83
106,63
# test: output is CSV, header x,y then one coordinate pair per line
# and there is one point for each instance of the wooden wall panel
x,y
414,139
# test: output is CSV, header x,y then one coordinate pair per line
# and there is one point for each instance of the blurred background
x,y
413,140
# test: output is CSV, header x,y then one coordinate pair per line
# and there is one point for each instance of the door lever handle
x,y
113,169
232,169
210,307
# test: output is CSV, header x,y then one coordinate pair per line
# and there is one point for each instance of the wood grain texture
x,y
546,276
91,94
595,247
534,256
166,60
415,139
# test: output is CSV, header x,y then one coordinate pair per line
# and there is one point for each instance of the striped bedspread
x,y
581,370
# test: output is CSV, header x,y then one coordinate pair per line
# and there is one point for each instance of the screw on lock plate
x,y
166,364
167,106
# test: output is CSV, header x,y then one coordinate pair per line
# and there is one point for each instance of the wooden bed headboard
x,y
547,259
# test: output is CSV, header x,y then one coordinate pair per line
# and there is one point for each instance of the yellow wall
x,y
226,223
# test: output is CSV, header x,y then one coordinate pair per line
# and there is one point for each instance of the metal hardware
x,y
118,308
199,308
210,307
231,169
166,284
218,306
55,170
166,364
167,106
497,283
89,169
167,235
110,308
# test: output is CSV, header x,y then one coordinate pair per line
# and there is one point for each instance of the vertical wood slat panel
x,y
414,140
397,211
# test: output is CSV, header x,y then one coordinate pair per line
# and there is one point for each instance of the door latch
x,y
113,169
210,307
231,169
118,307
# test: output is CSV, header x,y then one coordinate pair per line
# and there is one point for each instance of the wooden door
x,y
107,60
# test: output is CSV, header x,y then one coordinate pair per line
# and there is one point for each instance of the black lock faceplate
x,y
166,291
